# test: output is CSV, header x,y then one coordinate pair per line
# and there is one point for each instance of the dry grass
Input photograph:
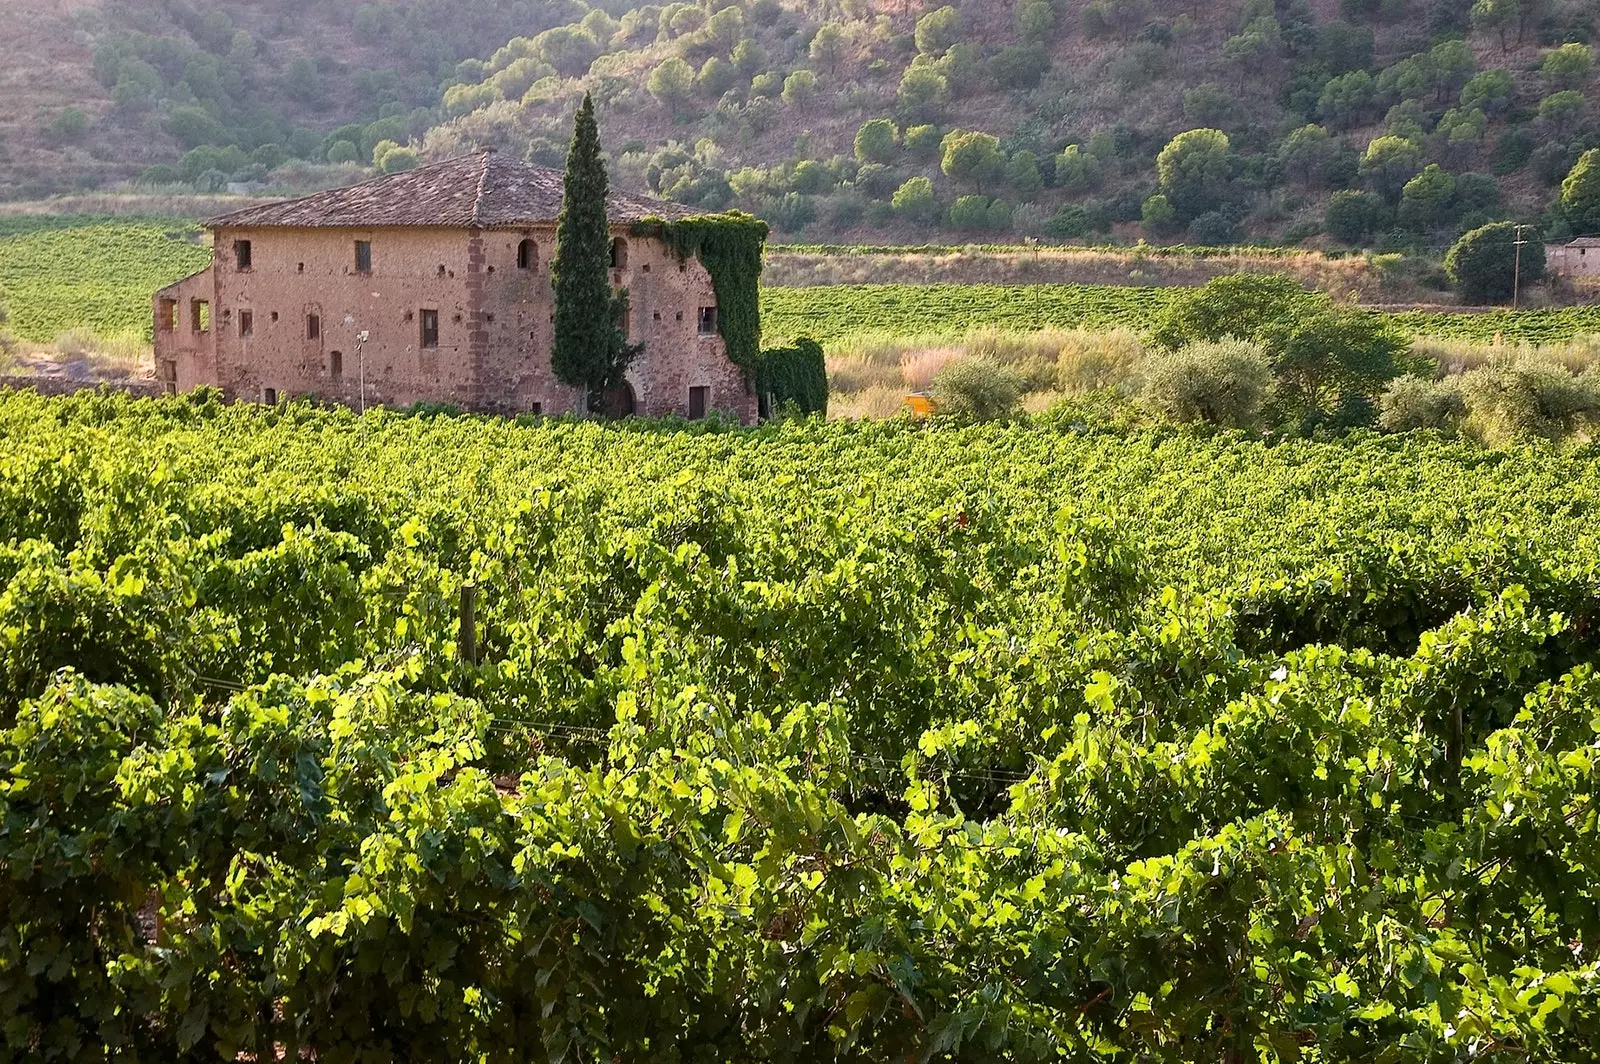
x,y
81,354
1463,356
1053,363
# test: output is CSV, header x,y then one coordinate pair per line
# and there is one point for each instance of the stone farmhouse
x,y
434,286
1573,259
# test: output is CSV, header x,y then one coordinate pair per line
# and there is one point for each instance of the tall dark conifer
x,y
590,350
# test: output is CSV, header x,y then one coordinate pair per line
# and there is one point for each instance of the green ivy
x,y
730,247
797,375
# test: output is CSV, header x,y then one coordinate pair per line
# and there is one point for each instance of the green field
x,y
834,314
60,274
866,741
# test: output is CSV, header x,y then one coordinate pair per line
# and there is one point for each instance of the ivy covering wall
x,y
730,247
795,375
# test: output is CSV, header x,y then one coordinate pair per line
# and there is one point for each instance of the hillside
x,y
1393,123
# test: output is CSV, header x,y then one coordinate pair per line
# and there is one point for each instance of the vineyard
x,y
61,274
836,313
454,739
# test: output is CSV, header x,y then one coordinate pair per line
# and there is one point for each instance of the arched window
x,y
619,254
527,255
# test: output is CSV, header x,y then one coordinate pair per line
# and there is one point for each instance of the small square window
x,y
274,316
247,323
241,254
363,256
269,396
680,315
300,268
699,399
430,328
536,408
708,321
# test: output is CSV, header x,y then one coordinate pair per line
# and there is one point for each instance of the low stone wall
x,y
140,388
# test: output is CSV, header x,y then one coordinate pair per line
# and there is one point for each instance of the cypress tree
x,y
590,350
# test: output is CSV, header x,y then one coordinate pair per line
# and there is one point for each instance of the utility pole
x,y
1516,269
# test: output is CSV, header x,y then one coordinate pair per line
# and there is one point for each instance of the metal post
x,y
1516,269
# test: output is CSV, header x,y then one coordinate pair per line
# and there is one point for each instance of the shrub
x,y
977,389
875,141
1019,66
923,142
915,201
1482,265
1412,403
1352,215
1514,399
1240,305
1223,383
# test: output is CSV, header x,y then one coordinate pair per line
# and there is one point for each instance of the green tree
x,y
922,142
749,58
1560,110
876,141
1490,92
1306,153
828,47
1250,306
1023,175
976,389
1347,99
716,77
1035,22
915,201
590,350
970,157
1567,67
1426,198
799,89
1193,170
1019,66
923,92
1352,215
1388,163
1332,364
672,83
1483,263
1157,215
937,31
1580,193
1076,170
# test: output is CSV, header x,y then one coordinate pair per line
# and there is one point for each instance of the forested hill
x,y
1394,123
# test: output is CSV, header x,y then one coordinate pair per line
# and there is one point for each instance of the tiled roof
x,y
485,190
1585,242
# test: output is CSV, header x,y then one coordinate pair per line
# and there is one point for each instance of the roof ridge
x,y
483,180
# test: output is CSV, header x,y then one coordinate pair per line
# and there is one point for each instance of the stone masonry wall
x,y
495,322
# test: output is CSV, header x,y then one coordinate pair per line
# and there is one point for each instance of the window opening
x,y
168,318
708,321
247,323
336,364
699,397
200,314
363,256
527,255
536,408
270,396
430,328
241,254
313,327
619,254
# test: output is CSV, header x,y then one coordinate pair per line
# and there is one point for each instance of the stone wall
x,y
495,309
